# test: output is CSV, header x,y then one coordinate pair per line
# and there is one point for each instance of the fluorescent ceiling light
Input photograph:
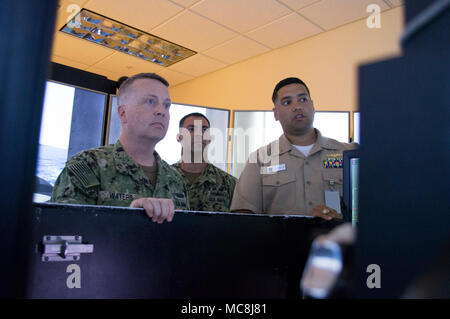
x,y
99,29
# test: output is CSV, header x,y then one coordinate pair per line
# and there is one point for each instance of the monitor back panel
x,y
404,219
198,255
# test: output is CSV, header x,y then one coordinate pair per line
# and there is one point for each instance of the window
x,y
72,121
114,122
335,125
253,129
356,116
168,148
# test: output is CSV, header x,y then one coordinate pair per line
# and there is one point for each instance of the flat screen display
x,y
351,162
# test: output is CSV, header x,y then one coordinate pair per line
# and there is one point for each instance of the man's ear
x,y
121,112
275,114
179,138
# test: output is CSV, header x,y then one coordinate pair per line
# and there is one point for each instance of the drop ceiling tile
x,y
197,65
239,15
185,3
298,4
286,30
140,14
173,77
68,62
331,13
128,65
110,75
66,10
78,50
236,50
194,32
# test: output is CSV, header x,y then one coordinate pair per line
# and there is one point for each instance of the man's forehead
x,y
195,120
150,86
292,89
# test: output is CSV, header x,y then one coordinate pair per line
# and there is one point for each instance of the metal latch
x,y
64,248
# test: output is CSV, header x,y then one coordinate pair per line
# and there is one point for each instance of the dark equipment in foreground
x,y
120,253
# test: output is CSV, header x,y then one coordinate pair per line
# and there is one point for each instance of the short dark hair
x,y
196,115
129,81
121,80
285,82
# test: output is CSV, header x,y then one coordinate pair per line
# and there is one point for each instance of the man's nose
x,y
296,106
160,110
198,132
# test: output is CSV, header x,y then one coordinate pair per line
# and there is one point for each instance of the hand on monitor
x,y
158,209
325,212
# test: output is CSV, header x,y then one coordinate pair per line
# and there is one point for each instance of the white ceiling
x,y
223,32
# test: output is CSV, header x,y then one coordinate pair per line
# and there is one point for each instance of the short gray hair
x,y
128,82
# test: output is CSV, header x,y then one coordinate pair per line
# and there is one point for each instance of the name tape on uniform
x,y
273,169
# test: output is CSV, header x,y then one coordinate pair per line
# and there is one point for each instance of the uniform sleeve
x,y
352,146
69,189
248,191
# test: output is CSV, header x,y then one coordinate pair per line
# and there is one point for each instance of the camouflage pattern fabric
x,y
212,191
108,176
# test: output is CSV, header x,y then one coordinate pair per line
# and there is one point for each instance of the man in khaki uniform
x,y
130,172
291,174
209,188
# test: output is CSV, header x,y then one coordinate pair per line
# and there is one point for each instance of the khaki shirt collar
x,y
286,146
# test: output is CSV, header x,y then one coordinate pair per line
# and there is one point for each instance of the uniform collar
x,y
320,144
210,172
207,174
124,163
128,166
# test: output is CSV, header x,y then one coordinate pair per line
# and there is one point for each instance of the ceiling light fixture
x,y
99,29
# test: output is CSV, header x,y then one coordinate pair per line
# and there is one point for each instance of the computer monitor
x,y
351,185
